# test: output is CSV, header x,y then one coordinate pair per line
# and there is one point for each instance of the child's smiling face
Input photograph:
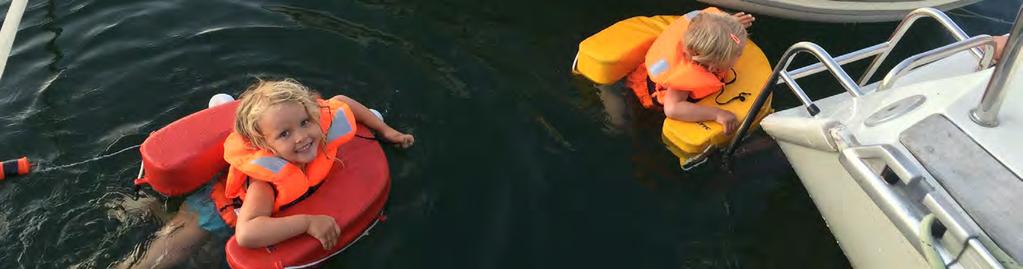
x,y
290,132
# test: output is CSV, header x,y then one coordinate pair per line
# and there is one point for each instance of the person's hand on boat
x,y
744,18
324,229
400,139
999,45
727,120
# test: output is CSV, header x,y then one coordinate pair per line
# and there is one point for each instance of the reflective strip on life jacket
x,y
659,67
274,164
339,126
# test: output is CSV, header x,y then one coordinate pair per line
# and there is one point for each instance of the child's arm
x,y
676,106
366,117
256,228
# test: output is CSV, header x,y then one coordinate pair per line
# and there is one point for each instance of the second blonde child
x,y
689,61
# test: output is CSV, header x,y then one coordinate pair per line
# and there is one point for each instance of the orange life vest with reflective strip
x,y
669,67
246,162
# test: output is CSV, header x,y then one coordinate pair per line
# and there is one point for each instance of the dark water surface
x,y
515,166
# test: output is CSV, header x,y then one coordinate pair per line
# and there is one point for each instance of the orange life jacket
x,y
246,162
668,66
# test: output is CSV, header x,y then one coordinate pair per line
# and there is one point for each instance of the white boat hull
x,y
868,235
864,233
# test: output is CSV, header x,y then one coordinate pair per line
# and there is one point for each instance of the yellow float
x,y
613,53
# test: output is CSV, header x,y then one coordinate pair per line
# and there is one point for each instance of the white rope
x,y
47,169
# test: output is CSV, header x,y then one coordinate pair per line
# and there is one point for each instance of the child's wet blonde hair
x,y
714,40
262,95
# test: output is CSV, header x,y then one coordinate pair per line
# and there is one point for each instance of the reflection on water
x,y
366,36
517,163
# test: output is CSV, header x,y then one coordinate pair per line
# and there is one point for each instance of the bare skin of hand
x,y
999,45
325,229
744,18
400,139
727,120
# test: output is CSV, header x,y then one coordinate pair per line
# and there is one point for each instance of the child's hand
x,y
401,139
745,19
727,120
325,229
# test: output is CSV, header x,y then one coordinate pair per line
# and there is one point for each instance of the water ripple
x,y
366,36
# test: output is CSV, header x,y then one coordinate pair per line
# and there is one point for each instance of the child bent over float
x,y
689,61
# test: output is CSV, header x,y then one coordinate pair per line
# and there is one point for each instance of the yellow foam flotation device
x,y
613,53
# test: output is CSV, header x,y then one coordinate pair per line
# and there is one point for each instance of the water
x,y
515,166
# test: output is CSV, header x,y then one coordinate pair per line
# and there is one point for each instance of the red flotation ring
x,y
186,154
354,194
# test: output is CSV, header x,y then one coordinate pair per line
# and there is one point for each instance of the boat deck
x,y
982,185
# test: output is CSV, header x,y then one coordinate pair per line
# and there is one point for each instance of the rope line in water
x,y
97,158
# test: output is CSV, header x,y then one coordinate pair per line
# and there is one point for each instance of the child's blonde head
x,y
715,40
264,94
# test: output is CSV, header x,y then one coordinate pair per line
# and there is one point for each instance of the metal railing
x,y
779,70
986,112
884,48
907,22
781,75
984,41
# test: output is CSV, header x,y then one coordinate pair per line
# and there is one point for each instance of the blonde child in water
x,y
279,119
689,61
687,64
